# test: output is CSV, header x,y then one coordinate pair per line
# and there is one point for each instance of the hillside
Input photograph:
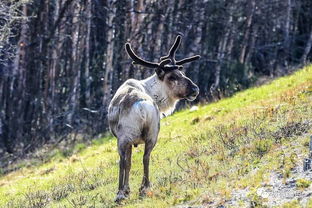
x,y
242,151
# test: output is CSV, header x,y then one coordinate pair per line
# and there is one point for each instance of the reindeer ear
x,y
160,73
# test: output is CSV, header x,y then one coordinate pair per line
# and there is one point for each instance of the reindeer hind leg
x,y
127,170
122,167
146,158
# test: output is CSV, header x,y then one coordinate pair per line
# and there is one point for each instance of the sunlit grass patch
x,y
201,157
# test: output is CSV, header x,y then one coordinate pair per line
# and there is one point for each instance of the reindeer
x,y
135,110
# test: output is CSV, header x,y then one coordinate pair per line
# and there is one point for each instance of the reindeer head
x,y
169,72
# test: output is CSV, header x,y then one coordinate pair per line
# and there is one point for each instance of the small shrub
x,y
287,164
303,183
261,147
79,201
37,199
60,192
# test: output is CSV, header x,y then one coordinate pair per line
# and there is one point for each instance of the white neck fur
x,y
159,93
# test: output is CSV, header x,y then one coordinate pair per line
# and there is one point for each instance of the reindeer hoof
x,y
143,191
120,197
127,191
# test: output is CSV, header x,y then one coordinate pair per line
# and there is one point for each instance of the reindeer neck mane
x,y
155,89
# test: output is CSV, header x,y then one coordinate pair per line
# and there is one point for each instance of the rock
x,y
194,108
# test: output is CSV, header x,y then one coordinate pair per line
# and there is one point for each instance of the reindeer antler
x,y
137,60
186,60
172,51
165,60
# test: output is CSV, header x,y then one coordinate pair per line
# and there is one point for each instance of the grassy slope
x,y
201,156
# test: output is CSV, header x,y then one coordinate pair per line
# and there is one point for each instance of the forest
x,y
62,60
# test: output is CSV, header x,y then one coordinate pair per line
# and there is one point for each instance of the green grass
x,y
200,157
303,183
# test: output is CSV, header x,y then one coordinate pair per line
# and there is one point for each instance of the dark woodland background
x,y
62,60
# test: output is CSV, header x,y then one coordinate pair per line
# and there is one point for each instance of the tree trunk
x,y
87,52
214,89
251,9
75,59
108,60
286,34
306,50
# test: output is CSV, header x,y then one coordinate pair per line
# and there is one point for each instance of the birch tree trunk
x,y
286,31
76,73
87,52
251,9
